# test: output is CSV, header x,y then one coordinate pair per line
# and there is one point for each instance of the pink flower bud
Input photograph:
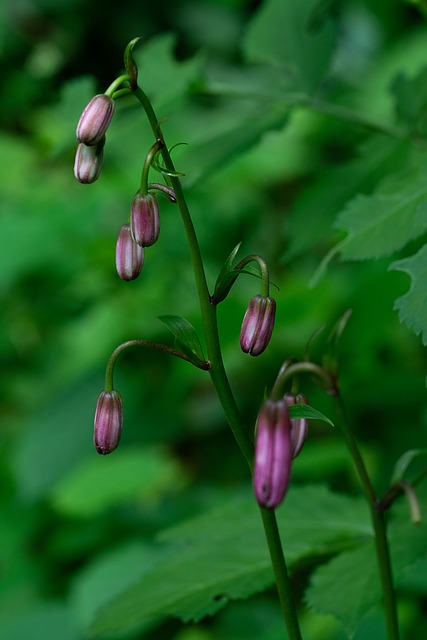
x,y
108,422
257,325
273,454
129,255
144,219
88,162
299,426
95,119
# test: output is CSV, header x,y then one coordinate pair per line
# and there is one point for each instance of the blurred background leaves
x,y
246,85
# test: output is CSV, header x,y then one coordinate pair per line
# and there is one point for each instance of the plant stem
x,y
220,379
284,589
378,523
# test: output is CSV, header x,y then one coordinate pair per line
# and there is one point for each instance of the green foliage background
x,y
305,123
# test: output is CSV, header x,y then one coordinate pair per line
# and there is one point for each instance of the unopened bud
x,y
88,162
108,422
299,426
258,324
129,255
273,454
144,219
95,119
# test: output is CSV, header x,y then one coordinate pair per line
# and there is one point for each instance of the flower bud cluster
x,y
279,439
90,132
143,231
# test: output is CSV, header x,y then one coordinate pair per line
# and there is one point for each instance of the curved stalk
x,y
378,523
219,375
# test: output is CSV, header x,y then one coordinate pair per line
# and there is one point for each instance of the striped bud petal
x,y
299,426
129,255
108,422
88,162
144,219
273,454
95,119
257,325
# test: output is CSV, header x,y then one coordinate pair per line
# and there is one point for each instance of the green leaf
x,y
222,555
315,209
226,277
168,88
382,223
412,306
404,461
282,34
348,586
49,620
305,411
185,336
98,483
411,100
116,568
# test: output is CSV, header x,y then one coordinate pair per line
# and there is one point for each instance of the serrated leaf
x,y
168,88
382,223
412,306
349,586
222,555
282,34
185,336
305,411
315,209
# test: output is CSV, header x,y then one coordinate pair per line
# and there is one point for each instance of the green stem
x,y
284,589
379,525
219,375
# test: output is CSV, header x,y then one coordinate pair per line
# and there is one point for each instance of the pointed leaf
x,y
282,33
222,555
380,224
412,306
185,336
348,586
305,411
404,461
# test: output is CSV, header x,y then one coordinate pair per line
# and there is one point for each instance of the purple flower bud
x,y
88,162
95,119
258,324
144,219
129,255
108,422
299,426
273,454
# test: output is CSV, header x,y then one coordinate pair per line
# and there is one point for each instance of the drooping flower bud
x,y
144,219
88,162
108,422
129,255
258,324
273,454
299,426
95,119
